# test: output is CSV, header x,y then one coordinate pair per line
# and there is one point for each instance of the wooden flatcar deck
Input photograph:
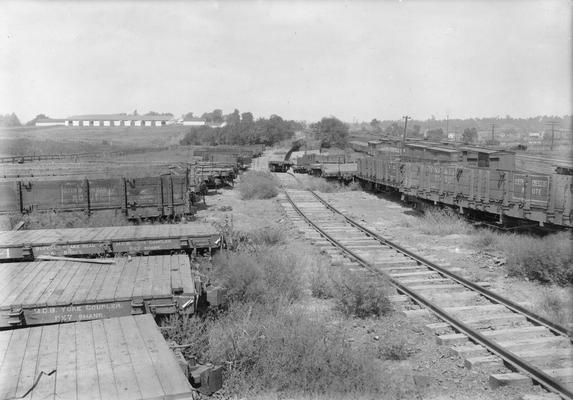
x,y
116,358
44,292
18,245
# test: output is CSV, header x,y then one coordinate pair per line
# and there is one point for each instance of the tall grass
x,y
442,223
258,185
547,260
270,341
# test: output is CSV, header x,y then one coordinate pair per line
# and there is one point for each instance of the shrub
x,y
289,350
270,236
555,306
258,185
442,223
395,351
362,299
547,260
262,277
486,239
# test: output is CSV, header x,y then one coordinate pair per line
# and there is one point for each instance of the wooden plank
x,y
86,368
149,384
97,285
186,274
142,278
164,283
125,378
91,274
32,289
106,379
175,271
28,371
172,379
47,362
44,284
9,270
4,342
66,367
15,289
12,364
112,279
78,279
124,290
71,269
60,274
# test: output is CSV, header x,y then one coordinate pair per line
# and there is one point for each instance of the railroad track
x,y
485,329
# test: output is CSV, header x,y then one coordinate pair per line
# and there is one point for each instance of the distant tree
x,y
234,118
470,135
214,116
9,120
188,115
32,122
135,113
394,130
331,132
247,118
415,132
436,134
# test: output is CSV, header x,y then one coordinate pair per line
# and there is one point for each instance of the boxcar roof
x,y
50,283
115,358
105,234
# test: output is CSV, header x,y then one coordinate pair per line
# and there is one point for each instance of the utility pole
x,y
492,133
552,123
406,118
447,125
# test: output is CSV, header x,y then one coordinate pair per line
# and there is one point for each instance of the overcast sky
x,y
301,60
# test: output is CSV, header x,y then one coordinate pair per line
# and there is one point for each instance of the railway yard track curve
x,y
479,325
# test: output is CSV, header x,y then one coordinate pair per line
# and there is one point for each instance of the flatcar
x,y
113,358
108,241
47,292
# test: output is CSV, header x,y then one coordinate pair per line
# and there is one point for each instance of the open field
x,y
58,139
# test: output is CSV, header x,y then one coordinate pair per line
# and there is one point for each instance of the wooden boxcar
x,y
46,292
542,198
116,358
132,239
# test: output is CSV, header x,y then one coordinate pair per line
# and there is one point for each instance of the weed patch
x,y
361,298
289,350
260,277
546,260
442,223
258,185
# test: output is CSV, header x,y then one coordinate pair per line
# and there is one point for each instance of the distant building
x,y
193,121
118,120
50,122
217,124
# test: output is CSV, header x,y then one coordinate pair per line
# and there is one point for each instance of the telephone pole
x,y
447,125
552,123
492,133
406,118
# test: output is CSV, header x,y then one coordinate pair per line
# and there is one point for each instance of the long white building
x,y
109,120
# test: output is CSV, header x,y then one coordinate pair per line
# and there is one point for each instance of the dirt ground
x,y
430,371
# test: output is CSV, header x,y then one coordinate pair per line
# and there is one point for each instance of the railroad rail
x,y
465,307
